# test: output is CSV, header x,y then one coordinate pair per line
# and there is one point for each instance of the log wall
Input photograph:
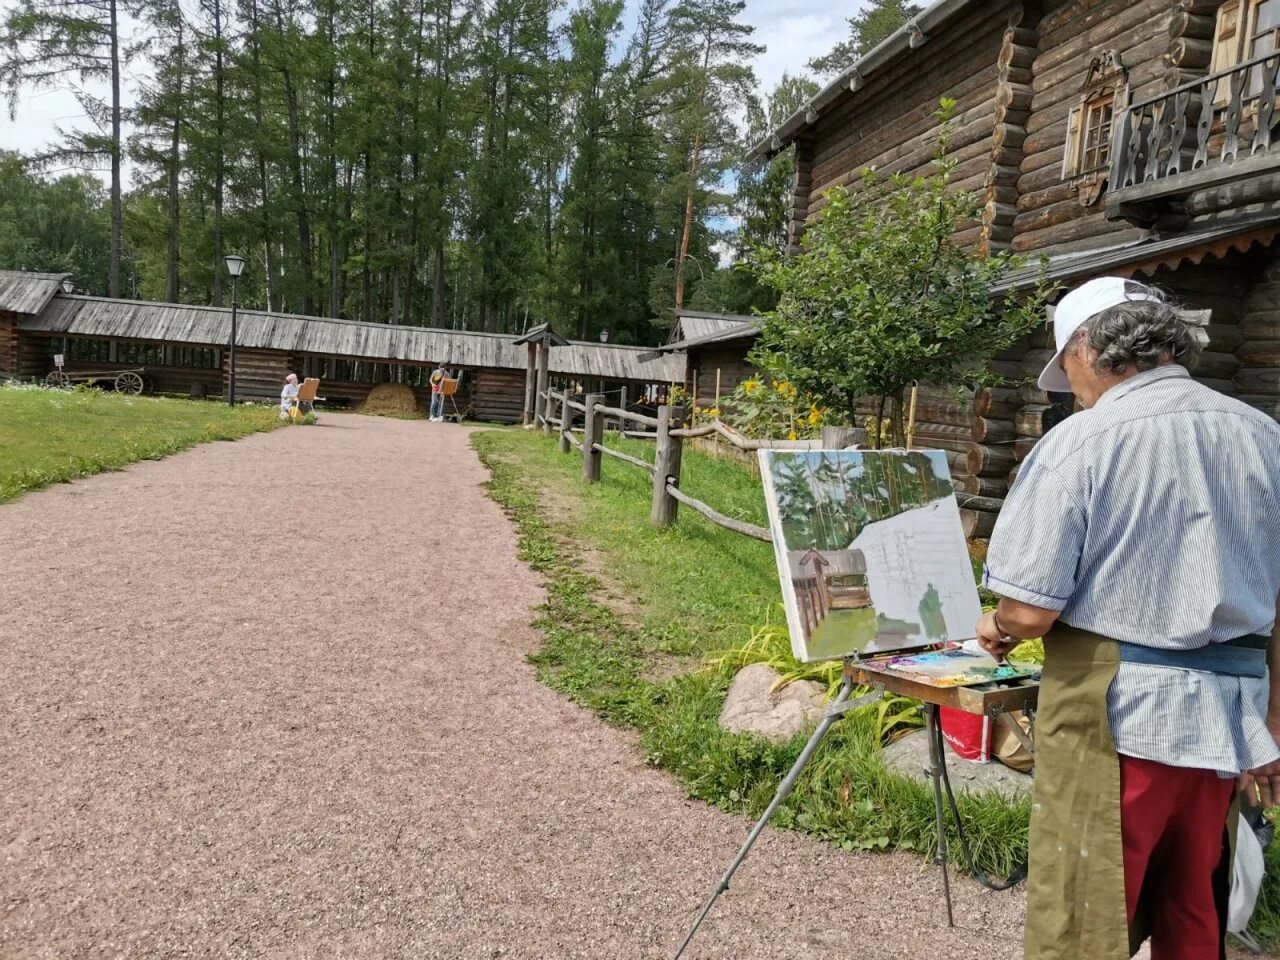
x,y
730,360
259,373
8,344
498,395
1258,378
891,123
1049,215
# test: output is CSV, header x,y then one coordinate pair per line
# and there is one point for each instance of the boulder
x,y
752,706
909,756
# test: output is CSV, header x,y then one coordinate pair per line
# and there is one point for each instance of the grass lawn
x,y
50,436
643,643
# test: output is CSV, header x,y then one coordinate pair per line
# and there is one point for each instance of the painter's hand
x,y
1263,784
991,639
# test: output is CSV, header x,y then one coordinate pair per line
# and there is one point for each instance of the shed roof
x,y
211,326
909,36
22,292
746,329
691,324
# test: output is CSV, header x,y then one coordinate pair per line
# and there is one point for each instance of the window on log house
x,y
1091,125
1245,29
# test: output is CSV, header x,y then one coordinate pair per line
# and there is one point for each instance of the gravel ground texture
x,y
270,699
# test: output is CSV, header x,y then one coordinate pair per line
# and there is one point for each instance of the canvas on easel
x,y
870,551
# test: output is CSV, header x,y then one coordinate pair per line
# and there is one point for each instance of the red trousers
x,y
1173,823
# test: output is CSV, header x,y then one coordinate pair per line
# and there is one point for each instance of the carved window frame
x,y
1106,88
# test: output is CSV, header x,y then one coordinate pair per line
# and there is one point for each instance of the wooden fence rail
x,y
625,457
715,516
558,409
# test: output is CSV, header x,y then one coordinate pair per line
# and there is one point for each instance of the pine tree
x,y
716,80
866,29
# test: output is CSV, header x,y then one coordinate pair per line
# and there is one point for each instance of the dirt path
x,y
269,699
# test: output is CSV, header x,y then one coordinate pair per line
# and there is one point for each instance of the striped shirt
x,y
1154,517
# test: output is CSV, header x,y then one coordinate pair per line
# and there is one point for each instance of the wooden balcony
x,y
1203,147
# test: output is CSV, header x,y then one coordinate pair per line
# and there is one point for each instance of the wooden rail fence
x,y
561,414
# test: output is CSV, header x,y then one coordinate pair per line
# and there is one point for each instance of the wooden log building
x,y
1130,138
182,350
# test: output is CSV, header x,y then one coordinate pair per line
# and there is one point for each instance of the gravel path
x,y
269,699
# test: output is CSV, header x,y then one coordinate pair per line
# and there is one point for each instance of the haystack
x,y
390,400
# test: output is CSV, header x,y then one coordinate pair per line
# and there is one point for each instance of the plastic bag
x,y
1253,832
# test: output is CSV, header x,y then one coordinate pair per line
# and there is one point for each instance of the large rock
x,y
909,756
752,705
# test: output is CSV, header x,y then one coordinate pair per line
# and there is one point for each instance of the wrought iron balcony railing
x,y
1209,131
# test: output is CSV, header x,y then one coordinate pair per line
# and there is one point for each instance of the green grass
x,y
689,594
51,436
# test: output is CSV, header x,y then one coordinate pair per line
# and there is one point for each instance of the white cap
x,y
1081,304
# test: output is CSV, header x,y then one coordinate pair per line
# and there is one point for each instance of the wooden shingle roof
x,y
211,326
28,293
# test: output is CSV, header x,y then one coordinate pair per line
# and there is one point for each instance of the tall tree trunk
x,y
171,280
683,253
331,174
113,276
220,153
295,172
260,161
437,289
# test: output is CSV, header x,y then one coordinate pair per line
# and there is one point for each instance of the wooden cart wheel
x,y
129,383
58,380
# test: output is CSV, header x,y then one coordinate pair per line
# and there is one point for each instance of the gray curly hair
x,y
1140,332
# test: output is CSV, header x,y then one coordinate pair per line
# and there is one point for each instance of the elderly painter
x,y
1142,541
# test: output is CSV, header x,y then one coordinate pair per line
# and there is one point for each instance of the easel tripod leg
x,y
830,716
937,758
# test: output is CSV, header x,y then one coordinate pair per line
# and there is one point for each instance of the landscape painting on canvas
x,y
870,550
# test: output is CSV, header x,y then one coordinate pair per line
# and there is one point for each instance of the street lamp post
x,y
235,267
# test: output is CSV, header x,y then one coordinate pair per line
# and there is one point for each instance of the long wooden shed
x,y
182,348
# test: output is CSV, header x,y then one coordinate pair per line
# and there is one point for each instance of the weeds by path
x,y
50,436
700,589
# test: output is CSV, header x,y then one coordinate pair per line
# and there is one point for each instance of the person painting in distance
x,y
288,395
1142,541
438,376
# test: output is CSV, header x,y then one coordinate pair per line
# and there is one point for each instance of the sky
x,y
793,31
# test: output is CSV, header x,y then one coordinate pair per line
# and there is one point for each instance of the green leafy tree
x,y
881,296
866,29
54,226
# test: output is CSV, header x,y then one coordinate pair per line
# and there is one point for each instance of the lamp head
x,y
235,264
68,285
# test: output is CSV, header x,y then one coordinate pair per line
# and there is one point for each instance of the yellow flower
x,y
751,386
815,415
791,435
714,412
785,390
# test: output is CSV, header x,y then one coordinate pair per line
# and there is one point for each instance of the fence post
x,y
566,421
592,433
549,412
837,438
666,464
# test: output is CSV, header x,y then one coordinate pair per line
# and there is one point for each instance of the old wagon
x,y
124,381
